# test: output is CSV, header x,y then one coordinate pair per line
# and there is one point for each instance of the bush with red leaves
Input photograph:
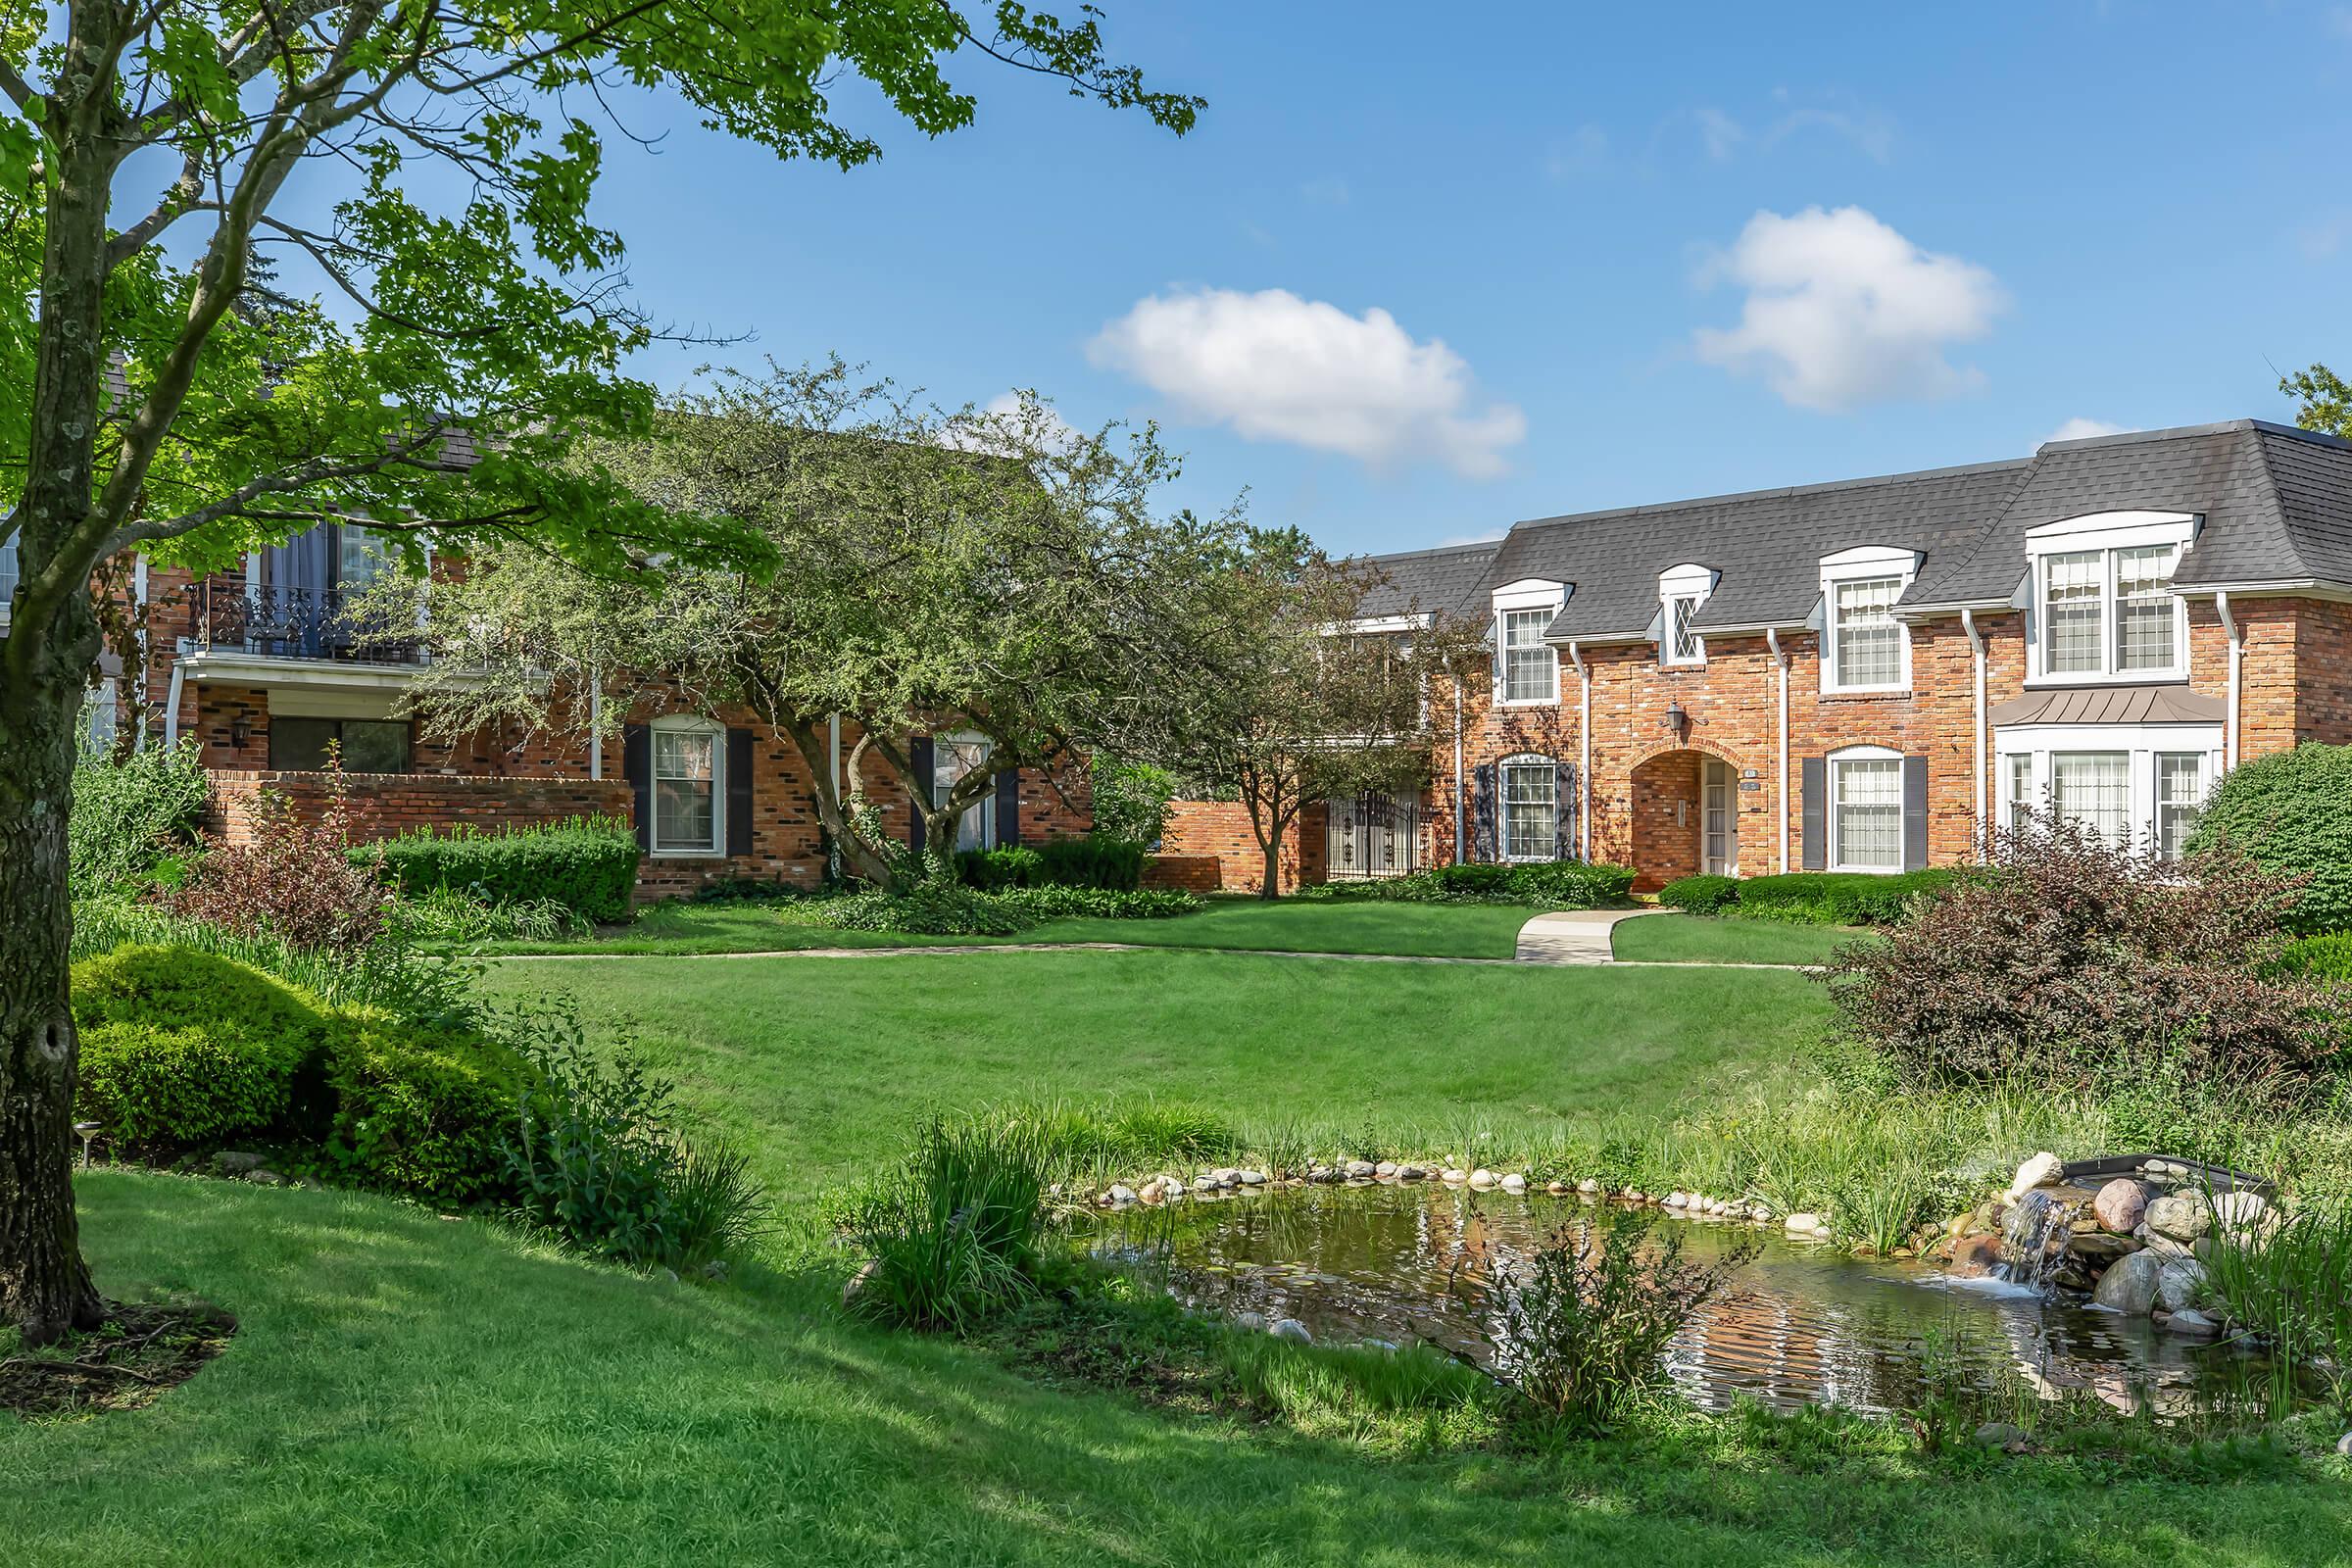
x,y
293,877
2072,960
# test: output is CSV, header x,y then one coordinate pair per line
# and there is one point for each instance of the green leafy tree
x,y
923,570
2323,402
147,404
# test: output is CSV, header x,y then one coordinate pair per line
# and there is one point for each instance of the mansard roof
x,y
2276,503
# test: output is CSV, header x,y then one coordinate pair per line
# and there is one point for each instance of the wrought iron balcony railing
x,y
292,624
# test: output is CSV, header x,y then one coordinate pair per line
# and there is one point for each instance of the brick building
x,y
1859,675
261,668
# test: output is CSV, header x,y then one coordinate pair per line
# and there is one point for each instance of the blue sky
x,y
1618,254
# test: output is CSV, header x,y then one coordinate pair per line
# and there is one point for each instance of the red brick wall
x,y
1188,873
385,805
1220,831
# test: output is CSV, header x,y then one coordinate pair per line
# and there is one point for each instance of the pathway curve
x,y
1574,936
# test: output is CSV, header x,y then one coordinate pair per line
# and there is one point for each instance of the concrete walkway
x,y
1578,936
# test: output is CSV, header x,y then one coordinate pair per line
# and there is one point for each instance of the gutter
x,y
1976,649
595,727
2237,666
1780,660
1584,744
1458,699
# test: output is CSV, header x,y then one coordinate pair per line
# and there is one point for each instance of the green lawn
x,y
818,1065
1709,938
1460,931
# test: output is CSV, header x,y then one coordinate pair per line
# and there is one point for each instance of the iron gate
x,y
1370,836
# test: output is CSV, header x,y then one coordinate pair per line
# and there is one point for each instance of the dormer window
x,y
1526,668
1864,647
2103,599
1681,591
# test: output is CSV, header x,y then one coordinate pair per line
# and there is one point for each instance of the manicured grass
x,y
1463,931
1712,939
406,1390
818,1065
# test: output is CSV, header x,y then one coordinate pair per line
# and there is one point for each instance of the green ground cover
x,y
816,1064
1708,939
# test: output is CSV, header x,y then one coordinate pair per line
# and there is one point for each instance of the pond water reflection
x,y
1803,1324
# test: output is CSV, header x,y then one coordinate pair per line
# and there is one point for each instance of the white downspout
x,y
1458,699
1584,747
1780,664
1976,757
2237,666
180,679
596,726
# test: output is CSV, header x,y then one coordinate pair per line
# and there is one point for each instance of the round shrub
x,y
1700,895
418,1111
2292,812
182,1047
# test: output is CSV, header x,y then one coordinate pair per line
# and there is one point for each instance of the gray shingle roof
x,y
2277,503
1450,580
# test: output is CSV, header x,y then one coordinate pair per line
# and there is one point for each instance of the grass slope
x,y
407,1390
816,1066
1472,931
1707,939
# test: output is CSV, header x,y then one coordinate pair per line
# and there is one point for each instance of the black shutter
x,y
1481,814
739,792
1915,812
1008,807
637,766
919,758
1564,785
1813,803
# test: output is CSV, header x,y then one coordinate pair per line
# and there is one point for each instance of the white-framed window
x,y
1865,647
688,786
1681,591
1866,809
951,758
1526,668
8,576
2104,606
1530,787
2137,785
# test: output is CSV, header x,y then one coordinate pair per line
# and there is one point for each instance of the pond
x,y
1803,1324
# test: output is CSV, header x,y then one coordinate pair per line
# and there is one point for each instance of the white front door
x,y
1719,820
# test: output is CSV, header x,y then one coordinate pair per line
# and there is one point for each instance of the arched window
x,y
689,786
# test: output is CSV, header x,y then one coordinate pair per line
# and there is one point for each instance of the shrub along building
x,y
265,671
1865,675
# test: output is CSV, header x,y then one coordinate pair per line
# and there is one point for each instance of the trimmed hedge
x,y
182,1048
420,1112
2320,958
588,866
1536,884
2291,812
1094,861
1102,904
1708,893
994,870
1836,898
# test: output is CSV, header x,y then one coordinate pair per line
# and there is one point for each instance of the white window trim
x,y
1694,583
1864,564
1502,805
1834,852
2106,532
2143,743
982,812
1528,593
688,724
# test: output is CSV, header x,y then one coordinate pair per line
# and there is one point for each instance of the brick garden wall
x,y
386,805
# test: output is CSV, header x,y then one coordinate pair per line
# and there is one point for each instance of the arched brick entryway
x,y
1685,809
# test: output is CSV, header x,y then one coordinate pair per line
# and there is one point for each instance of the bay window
x,y
2094,789
2180,796
1531,808
687,762
2136,786
1866,811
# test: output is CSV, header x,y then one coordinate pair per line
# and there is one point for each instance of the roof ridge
x,y
1820,487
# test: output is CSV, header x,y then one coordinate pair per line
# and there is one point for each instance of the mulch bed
x,y
141,1350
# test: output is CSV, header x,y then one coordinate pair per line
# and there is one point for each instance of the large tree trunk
x,y
44,1287
45,664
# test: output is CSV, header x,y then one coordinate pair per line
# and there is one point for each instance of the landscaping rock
x,y
1250,1178
2240,1210
1412,1173
1118,1197
2181,1216
1153,1191
857,1281
2191,1323
2343,1445
1385,1168
1759,1212
2177,1284
2039,1171
1677,1200
1254,1322
1482,1178
1455,1177
1361,1170
2119,1205
2001,1435
1975,1257
2129,1286
235,1162
1514,1183
1289,1328
265,1178
1589,1186
2100,1246
1800,1223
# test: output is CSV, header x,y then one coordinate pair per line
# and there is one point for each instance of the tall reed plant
x,y
956,1234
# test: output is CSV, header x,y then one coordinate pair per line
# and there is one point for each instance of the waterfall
x,y
2034,1238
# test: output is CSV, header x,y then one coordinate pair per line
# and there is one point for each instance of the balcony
x,y
310,625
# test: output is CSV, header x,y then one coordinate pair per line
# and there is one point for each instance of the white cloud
x,y
1583,151
1001,426
1719,131
2079,428
1868,129
1278,367
1842,311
